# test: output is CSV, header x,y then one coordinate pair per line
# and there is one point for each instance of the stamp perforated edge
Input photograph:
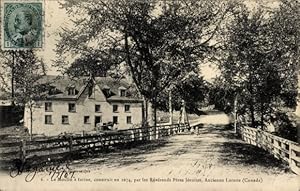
x,y
2,24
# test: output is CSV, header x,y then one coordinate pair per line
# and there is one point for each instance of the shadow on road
x,y
236,153
216,129
213,141
132,154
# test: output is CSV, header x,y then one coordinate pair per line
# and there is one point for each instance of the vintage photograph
x,y
150,95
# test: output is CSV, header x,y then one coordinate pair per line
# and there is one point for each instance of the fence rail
x,y
280,148
57,147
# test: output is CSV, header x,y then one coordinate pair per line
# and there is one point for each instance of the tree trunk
x,y
235,113
262,114
252,103
145,112
155,111
31,120
13,78
170,108
252,114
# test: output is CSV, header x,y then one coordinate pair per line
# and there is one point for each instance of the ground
x,y
209,160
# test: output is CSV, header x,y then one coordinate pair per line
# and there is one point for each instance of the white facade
x,y
57,119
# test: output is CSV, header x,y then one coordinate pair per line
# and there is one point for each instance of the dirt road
x,y
213,160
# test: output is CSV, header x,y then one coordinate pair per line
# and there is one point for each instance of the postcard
x,y
149,95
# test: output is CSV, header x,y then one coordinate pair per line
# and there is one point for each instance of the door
x,y
97,120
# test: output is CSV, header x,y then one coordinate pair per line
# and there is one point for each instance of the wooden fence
x,y
41,150
281,148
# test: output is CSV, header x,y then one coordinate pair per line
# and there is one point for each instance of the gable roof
x,y
60,84
111,83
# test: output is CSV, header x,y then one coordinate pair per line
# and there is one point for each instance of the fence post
x,y
132,135
141,134
71,143
257,138
150,133
290,154
23,151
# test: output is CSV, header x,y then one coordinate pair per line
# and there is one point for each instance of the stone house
x,y
82,104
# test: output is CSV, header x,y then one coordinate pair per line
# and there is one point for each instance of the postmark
x,y
22,24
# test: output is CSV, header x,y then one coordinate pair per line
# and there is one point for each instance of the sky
x,y
56,17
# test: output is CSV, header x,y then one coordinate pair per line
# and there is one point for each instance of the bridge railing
x,y
44,149
280,148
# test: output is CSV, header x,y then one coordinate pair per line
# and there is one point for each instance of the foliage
x,y
193,90
24,69
160,41
285,125
28,70
260,68
221,96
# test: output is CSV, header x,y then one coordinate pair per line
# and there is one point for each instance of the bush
x,y
286,126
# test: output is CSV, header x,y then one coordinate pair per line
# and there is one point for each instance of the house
x,y
82,104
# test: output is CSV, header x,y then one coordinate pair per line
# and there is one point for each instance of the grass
x,y
13,132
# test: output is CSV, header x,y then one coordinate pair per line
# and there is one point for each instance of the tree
x,y
285,27
8,68
192,89
243,57
221,94
261,64
28,71
160,41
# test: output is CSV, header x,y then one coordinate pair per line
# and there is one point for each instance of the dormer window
x,y
122,91
71,90
106,91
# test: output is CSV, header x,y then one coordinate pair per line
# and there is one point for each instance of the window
x,y
97,108
122,93
48,106
86,119
71,90
48,119
115,119
72,107
115,108
127,108
128,120
64,119
106,91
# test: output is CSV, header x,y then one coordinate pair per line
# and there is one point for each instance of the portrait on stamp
x,y
22,25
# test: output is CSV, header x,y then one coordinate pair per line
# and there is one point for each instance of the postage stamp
x,y
22,24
